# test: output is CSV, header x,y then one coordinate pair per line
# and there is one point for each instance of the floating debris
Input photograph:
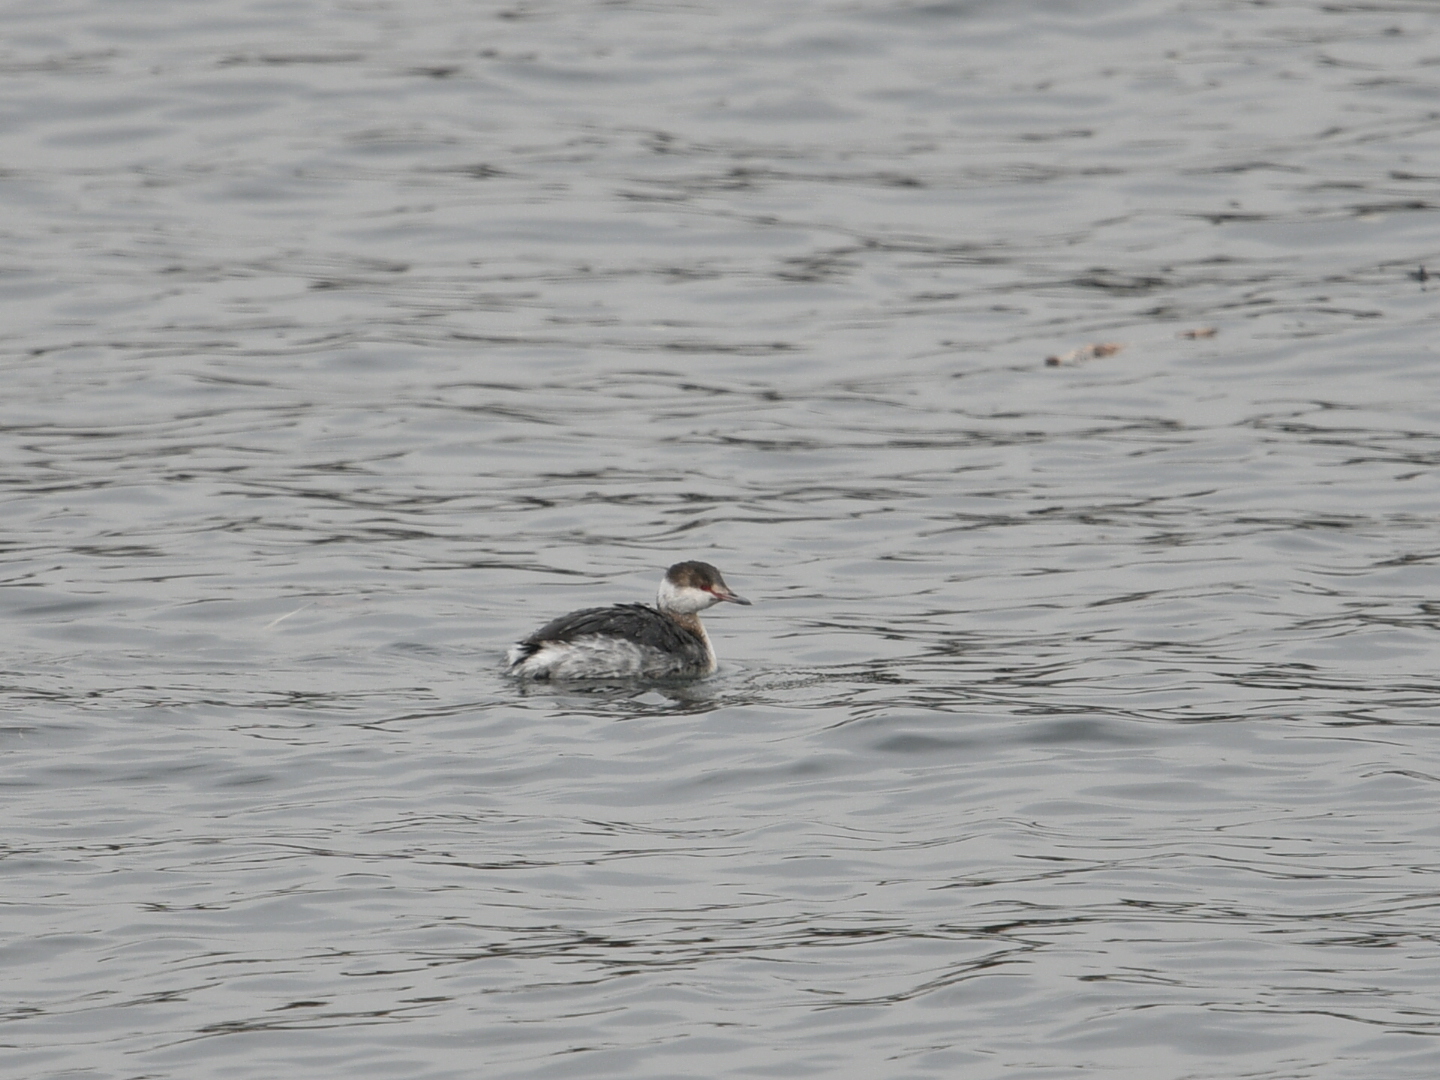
x,y
1420,274
1085,352
1201,332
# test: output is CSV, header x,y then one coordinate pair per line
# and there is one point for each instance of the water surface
x,y
1084,722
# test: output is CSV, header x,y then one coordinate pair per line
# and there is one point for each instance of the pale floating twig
x,y
276,622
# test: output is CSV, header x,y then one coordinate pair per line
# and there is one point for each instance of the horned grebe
x,y
630,640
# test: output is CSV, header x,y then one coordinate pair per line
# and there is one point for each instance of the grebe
x,y
630,640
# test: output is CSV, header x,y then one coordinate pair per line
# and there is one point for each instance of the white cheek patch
x,y
685,598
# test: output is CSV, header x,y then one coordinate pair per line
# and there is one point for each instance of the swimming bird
x,y
631,640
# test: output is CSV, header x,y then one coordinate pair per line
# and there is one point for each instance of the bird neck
x,y
689,620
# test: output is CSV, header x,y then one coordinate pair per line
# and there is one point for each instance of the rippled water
x,y
1085,721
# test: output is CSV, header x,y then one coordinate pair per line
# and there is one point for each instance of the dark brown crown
x,y
695,575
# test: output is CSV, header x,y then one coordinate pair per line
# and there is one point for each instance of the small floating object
x,y
1085,352
1420,274
1201,332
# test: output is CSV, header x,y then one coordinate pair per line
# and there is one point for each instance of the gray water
x,y
1085,722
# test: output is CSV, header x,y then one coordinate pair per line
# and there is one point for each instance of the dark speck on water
x,y
1087,727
